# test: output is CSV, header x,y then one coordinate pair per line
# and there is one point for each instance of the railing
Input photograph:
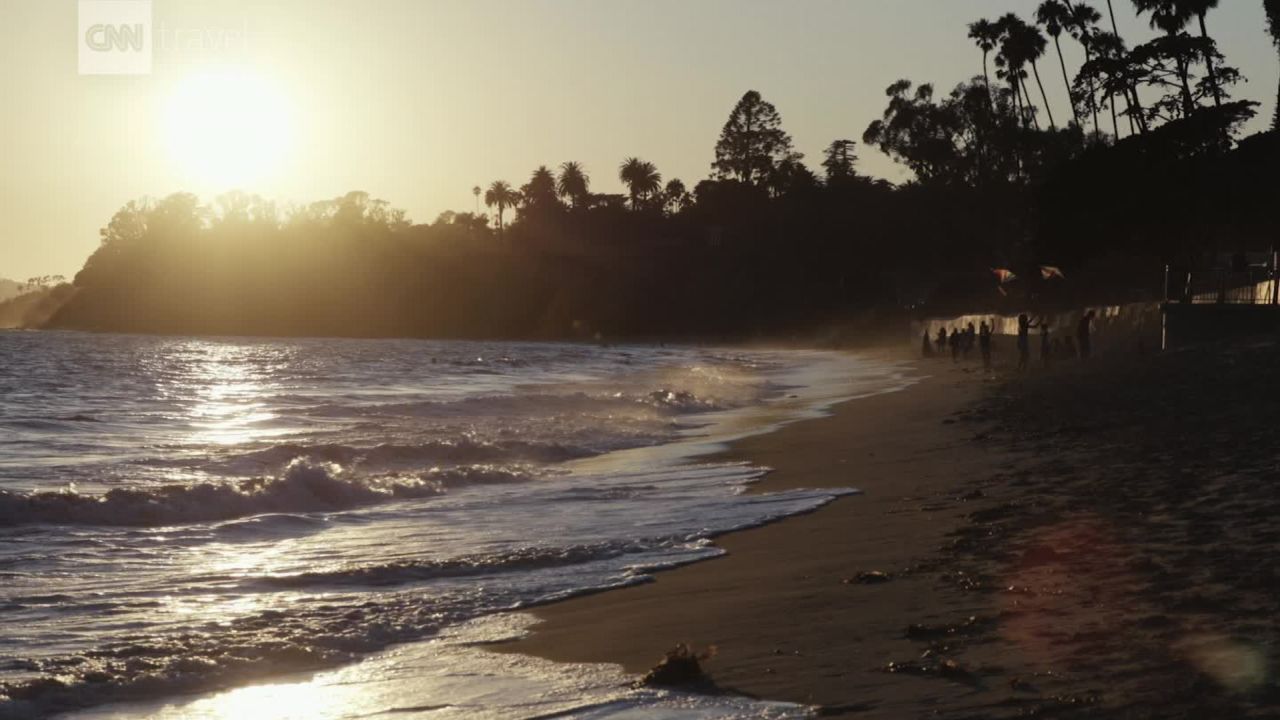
x,y
1251,286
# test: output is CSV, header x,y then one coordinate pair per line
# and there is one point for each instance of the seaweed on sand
x,y
680,667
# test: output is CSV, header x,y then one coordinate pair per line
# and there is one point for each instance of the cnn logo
x,y
115,37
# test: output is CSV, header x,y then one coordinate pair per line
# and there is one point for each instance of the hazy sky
x,y
416,101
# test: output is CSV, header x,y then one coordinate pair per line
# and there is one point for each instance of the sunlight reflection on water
x,y
451,678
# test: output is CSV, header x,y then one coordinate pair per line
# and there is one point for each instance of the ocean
x,y
327,528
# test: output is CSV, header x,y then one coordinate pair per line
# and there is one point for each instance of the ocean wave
x,y
303,487
335,628
452,452
663,400
267,644
409,571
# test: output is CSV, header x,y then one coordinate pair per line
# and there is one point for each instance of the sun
x,y
227,129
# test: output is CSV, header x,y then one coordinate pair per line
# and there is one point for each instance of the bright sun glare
x,y
227,129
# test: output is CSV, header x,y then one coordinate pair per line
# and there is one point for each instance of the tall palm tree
x,y
573,183
1273,21
641,178
1022,45
476,191
502,196
1055,17
1009,65
1171,16
986,35
1082,20
1034,45
1115,30
1009,72
1201,8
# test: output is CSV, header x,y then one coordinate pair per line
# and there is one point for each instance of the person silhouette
x,y
926,346
942,340
1024,341
984,344
954,341
1084,340
1046,346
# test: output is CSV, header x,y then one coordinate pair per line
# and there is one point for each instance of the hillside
x,y
8,289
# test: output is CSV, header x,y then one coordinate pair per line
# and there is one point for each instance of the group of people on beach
x,y
961,341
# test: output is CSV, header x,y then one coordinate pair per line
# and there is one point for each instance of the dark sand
x,y
1093,542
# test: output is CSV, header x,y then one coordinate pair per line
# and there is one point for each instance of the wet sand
x,y
783,608
1089,542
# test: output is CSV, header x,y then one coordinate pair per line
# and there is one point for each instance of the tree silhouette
x,y
1200,9
1272,8
752,144
986,35
792,175
1130,93
1115,71
928,136
1011,61
641,178
476,191
501,195
676,197
1171,16
539,194
1083,19
573,184
1055,16
839,159
1024,45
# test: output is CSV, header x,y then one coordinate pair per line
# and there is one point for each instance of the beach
x,y
784,609
1091,541
303,508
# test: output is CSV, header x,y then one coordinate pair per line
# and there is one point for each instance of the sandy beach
x,y
1085,542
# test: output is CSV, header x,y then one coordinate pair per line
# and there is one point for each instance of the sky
x,y
417,101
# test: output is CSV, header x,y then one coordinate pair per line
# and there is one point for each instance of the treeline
x,y
1144,168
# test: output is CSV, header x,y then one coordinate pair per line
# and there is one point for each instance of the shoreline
x,y
782,607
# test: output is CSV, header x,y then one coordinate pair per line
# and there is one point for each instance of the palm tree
x,y
985,34
1081,23
1022,45
1033,46
476,191
540,191
1115,30
573,184
1055,17
1201,8
502,196
1009,66
1273,21
1171,16
641,178
675,196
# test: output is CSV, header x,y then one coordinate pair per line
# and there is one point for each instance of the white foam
x,y
454,677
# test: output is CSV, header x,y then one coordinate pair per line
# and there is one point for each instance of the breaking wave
x,y
436,452
410,571
303,638
303,487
